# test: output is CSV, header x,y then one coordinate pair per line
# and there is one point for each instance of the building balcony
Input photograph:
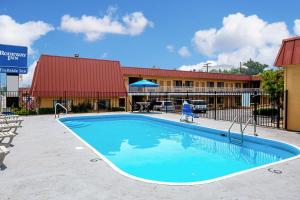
x,y
174,89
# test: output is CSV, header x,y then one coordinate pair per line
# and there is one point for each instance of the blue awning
x,y
144,83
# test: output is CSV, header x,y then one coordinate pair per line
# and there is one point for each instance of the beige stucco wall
x,y
292,85
47,102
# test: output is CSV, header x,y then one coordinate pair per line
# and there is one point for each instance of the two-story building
x,y
105,83
177,85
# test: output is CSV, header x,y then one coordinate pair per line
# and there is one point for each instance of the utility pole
x,y
207,66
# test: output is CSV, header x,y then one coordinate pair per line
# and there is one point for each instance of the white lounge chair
x,y
3,152
9,135
10,120
11,127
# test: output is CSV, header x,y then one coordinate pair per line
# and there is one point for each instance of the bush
x,y
114,109
81,107
23,111
43,111
266,111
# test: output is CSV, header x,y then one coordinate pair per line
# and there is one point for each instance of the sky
x,y
168,34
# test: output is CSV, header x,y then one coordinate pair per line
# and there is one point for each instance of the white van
x,y
164,106
198,106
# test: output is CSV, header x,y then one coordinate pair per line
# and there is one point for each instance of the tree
x,y
253,68
273,83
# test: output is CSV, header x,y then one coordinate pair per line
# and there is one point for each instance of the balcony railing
x,y
189,89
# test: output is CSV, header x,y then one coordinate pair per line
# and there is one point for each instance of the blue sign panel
x,y
13,59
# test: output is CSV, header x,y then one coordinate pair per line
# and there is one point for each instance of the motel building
x,y
105,84
289,58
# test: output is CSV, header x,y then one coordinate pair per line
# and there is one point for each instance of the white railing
x,y
55,109
190,89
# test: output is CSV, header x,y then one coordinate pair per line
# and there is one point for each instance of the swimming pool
x,y
163,151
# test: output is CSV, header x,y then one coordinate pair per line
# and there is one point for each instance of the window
x,y
189,83
203,84
238,85
169,83
211,100
237,101
122,102
197,84
220,84
220,100
178,83
245,85
161,83
104,104
210,84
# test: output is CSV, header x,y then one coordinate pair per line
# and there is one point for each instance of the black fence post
x,y
166,103
98,102
255,106
278,100
215,106
286,109
65,96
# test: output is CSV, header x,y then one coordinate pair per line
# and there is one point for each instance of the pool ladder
x,y
55,109
241,140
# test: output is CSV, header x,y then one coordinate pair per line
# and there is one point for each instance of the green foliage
x,y
273,83
232,71
82,107
113,109
266,111
254,68
23,111
43,111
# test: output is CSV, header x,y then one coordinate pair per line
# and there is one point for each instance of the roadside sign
x,y
13,59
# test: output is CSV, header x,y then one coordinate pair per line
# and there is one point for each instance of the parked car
x,y
164,106
199,106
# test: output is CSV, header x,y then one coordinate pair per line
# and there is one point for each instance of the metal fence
x,y
43,102
221,105
260,106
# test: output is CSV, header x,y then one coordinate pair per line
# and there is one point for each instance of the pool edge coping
x,y
117,169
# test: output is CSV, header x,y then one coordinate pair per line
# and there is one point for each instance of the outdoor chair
x,y
3,152
136,107
150,107
10,127
10,135
6,120
186,112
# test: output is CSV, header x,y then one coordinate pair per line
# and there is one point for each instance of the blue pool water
x,y
165,151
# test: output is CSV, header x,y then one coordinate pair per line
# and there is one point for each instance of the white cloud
x,y
135,23
297,26
14,33
170,48
95,28
184,52
200,66
240,38
26,79
204,41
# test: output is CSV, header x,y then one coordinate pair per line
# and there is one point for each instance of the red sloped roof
x,y
70,76
184,74
289,53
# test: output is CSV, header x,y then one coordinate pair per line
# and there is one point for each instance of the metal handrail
x,y
254,125
55,109
241,129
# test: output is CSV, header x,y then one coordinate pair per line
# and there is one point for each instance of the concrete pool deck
x,y
48,162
